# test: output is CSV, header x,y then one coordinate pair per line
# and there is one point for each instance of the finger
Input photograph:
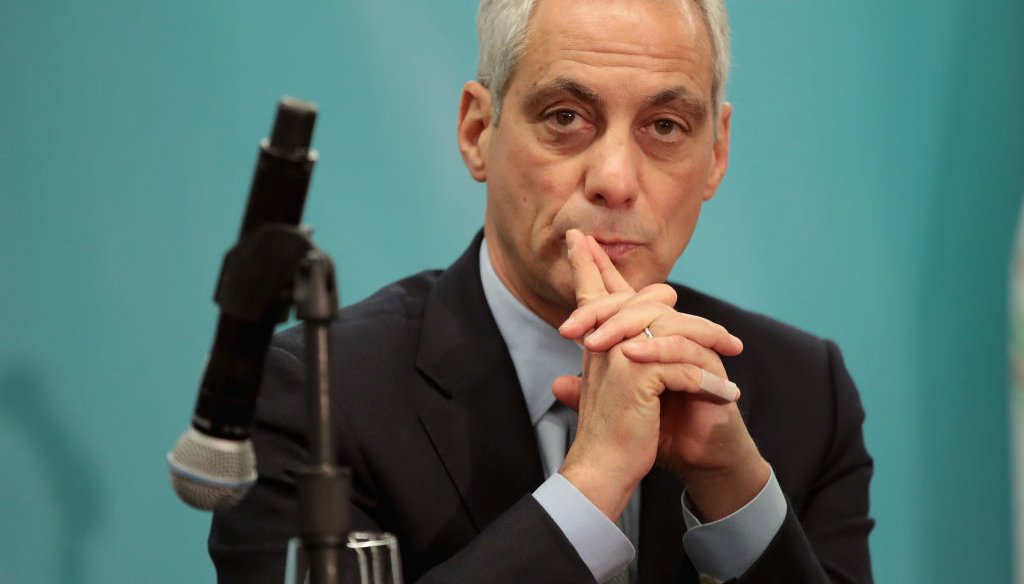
x,y
631,321
692,379
613,280
567,390
673,350
719,386
628,322
701,330
586,318
586,277
662,293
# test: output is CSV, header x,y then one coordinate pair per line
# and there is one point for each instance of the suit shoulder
x,y
400,303
403,299
750,326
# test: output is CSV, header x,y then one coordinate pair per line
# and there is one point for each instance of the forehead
x,y
647,42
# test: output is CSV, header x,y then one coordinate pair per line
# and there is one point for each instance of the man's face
x,y
607,126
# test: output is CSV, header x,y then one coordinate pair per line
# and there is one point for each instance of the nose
x,y
612,171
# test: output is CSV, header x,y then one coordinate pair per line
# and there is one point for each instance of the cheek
x,y
547,187
683,192
676,208
678,215
544,178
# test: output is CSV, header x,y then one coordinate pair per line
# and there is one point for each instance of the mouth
x,y
617,249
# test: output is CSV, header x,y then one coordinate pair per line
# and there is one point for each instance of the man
x,y
599,129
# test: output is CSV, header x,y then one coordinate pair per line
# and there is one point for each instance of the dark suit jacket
x,y
430,418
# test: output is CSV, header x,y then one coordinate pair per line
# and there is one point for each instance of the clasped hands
x,y
640,400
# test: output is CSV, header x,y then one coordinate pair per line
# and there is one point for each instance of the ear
x,y
474,128
720,152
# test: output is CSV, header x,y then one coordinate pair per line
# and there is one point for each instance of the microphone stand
x,y
275,267
323,486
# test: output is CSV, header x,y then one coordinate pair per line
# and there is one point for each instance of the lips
x,y
617,249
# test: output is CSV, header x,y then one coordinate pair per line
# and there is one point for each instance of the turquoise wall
x,y
878,164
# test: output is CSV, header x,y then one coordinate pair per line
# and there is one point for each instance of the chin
x,y
560,289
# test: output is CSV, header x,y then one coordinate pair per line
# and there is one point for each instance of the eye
x,y
564,119
666,130
665,127
565,127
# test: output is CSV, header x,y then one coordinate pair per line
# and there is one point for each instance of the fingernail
x,y
731,391
570,241
569,321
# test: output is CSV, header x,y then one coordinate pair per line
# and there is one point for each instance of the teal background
x,y
877,168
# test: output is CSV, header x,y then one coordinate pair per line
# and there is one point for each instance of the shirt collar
x,y
539,354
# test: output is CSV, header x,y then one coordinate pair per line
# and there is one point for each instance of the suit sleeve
x,y
248,543
825,539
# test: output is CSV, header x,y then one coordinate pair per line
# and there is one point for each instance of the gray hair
x,y
501,29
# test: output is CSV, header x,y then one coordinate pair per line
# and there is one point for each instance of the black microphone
x,y
213,464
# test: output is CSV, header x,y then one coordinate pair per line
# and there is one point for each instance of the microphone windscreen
x,y
211,473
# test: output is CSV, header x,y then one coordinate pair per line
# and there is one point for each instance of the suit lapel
x,y
480,427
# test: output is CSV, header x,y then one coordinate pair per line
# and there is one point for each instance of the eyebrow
x,y
559,86
693,105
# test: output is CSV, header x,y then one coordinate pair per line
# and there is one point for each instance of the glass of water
x,y
369,558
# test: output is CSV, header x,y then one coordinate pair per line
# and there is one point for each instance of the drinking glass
x,y
369,558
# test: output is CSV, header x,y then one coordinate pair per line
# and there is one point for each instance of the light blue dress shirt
x,y
722,549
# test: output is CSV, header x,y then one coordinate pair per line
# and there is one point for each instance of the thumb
x,y
567,390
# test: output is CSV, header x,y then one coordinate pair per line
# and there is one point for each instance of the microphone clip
x,y
258,277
